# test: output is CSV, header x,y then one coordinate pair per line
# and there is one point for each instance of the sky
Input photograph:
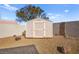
x,y
55,12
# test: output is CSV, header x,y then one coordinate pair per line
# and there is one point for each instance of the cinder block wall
x,y
56,28
71,29
7,30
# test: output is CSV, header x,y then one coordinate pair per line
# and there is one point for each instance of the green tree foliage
x,y
30,12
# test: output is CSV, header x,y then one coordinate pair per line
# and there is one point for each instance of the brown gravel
x,y
44,46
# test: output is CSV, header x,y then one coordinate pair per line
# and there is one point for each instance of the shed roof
x,y
38,18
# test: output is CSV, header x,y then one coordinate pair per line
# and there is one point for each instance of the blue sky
x,y
56,12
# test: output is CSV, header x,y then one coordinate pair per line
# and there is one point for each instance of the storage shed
x,y
39,28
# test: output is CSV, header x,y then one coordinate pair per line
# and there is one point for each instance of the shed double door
x,y
38,29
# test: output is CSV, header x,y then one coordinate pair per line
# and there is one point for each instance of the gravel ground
x,y
43,46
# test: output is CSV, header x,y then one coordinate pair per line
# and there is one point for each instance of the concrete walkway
x,y
30,49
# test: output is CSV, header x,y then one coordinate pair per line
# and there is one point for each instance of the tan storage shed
x,y
39,28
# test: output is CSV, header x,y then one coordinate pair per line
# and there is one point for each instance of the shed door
x,y
38,29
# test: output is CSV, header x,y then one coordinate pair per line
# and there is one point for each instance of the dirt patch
x,y
44,46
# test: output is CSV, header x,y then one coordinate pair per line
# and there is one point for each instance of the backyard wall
x,y
71,29
56,28
7,30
